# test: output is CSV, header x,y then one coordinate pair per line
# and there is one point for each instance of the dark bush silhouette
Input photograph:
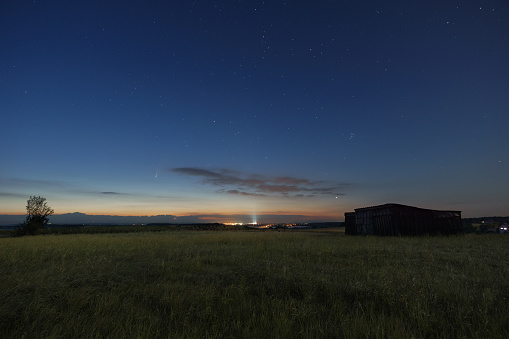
x,y
37,216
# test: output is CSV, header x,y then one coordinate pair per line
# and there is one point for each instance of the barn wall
x,y
364,222
394,219
448,222
350,225
384,221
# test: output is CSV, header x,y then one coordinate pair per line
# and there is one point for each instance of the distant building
x,y
396,219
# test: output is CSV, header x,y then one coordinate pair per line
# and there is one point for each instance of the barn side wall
x,y
350,225
391,220
448,222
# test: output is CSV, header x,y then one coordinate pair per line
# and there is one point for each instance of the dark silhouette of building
x,y
396,219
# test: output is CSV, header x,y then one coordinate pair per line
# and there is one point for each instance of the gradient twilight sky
x,y
213,108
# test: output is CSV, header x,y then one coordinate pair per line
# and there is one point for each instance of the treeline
x,y
484,224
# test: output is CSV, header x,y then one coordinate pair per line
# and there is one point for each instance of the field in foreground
x,y
253,284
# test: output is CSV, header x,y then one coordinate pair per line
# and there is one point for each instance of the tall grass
x,y
253,284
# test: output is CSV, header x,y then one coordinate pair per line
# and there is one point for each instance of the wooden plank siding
x,y
396,219
350,227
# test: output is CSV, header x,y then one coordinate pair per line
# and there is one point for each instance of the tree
x,y
37,215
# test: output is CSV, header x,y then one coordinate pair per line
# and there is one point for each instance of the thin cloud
x,y
239,183
237,192
291,181
31,183
12,195
49,186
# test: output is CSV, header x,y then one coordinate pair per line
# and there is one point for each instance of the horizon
x,y
254,108
83,218
77,218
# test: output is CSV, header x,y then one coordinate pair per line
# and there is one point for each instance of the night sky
x,y
244,110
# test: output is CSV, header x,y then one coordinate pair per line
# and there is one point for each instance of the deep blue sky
x,y
214,108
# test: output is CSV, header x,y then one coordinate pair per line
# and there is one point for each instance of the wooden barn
x,y
396,219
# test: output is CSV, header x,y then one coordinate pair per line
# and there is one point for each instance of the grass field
x,y
253,284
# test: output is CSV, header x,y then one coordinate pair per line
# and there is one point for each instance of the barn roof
x,y
393,205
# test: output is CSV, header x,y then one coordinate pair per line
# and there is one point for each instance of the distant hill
x,y
77,218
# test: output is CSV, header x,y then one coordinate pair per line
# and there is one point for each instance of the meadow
x,y
223,284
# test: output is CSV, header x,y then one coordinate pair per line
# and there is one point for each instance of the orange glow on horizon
x,y
208,210
217,218
205,215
